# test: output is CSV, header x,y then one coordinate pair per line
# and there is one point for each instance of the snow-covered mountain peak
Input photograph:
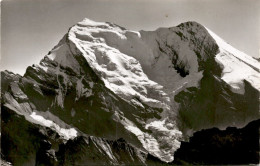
x,y
151,66
89,22
133,62
181,75
237,66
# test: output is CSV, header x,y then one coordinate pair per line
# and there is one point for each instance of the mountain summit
x,y
107,92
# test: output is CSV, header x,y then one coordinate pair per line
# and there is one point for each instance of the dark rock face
x,y
91,151
213,146
21,140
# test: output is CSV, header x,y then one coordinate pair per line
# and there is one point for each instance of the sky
x,y
31,28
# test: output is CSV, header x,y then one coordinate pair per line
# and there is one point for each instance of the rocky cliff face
x,y
129,97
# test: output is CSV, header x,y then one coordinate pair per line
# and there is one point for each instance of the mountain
x,y
108,95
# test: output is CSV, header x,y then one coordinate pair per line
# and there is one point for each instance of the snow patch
x,y
65,133
81,90
137,103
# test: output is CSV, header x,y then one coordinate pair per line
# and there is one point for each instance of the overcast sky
x,y
30,28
